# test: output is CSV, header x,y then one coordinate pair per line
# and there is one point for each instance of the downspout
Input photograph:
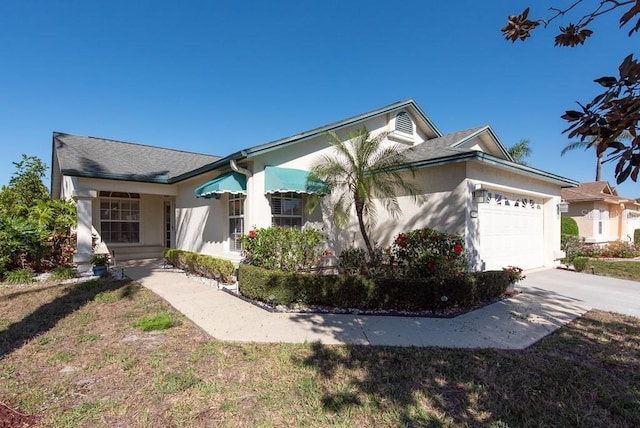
x,y
236,168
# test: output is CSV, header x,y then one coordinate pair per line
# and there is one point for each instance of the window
x,y
286,210
602,221
404,123
236,221
120,217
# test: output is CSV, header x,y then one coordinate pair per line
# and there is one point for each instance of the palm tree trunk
x,y
363,228
599,167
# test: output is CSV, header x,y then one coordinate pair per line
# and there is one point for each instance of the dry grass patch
x,y
77,360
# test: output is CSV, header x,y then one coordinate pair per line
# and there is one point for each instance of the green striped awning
x,y
231,182
282,180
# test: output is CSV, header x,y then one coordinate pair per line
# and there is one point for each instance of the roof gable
x,y
102,158
593,191
485,140
417,114
480,139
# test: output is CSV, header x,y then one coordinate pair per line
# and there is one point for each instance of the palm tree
x,y
519,151
593,142
360,171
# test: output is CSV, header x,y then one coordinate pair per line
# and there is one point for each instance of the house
x,y
140,199
601,214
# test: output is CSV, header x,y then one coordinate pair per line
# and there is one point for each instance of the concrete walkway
x,y
515,323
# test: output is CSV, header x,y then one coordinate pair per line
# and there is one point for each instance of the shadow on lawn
x,y
48,315
584,375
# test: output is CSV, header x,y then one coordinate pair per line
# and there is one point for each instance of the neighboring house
x,y
140,199
601,214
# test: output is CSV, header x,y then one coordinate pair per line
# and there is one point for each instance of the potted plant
x,y
515,275
100,262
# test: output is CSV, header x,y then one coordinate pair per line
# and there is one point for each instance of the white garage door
x,y
511,231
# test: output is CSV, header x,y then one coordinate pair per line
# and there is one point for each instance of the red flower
x,y
401,241
252,234
457,248
434,237
431,265
326,253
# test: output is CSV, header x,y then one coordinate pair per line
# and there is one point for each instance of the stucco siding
x,y
444,194
585,216
201,224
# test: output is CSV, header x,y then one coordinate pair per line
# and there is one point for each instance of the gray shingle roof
x,y
440,147
102,158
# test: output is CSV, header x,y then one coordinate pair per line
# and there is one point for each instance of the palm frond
x,y
577,145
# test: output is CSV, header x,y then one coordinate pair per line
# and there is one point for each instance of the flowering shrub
x,y
515,273
286,249
620,249
425,253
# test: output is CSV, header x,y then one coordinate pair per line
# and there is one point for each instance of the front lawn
x,y
616,269
77,355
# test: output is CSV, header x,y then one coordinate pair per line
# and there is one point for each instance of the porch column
x,y
84,203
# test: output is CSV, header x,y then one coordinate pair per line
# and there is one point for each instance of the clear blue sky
x,y
214,77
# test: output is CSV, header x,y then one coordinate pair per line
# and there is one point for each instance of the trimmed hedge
x,y
342,291
569,226
580,263
201,264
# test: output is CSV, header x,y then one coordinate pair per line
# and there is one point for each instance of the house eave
x,y
298,138
117,177
526,170
500,163
220,163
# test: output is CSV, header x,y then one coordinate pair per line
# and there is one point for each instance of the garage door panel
x,y
511,233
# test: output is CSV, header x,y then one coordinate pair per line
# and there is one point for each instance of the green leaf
x,y
616,145
607,81
572,115
624,174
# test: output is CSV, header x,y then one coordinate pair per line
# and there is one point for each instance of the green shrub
x,y
636,236
571,245
353,260
287,249
20,276
357,291
427,252
569,226
580,263
201,264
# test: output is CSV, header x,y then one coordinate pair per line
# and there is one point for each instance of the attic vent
x,y
404,123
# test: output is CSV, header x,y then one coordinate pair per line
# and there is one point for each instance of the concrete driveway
x,y
598,292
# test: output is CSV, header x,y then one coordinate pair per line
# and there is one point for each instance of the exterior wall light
x,y
563,207
480,196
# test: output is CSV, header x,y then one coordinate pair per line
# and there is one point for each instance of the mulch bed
x,y
10,418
